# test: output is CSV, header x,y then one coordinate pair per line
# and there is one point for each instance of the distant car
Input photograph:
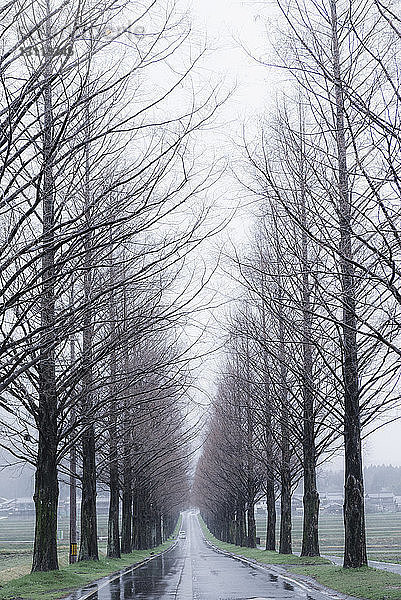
x,y
182,535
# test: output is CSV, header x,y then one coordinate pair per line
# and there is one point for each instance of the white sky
x,y
225,22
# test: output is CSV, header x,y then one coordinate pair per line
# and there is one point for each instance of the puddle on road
x,y
150,579
287,586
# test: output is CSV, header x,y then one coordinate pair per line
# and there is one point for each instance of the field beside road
x,y
16,581
16,544
383,534
383,537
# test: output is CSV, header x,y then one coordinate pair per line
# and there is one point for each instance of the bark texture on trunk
x,y
113,538
73,505
169,523
127,497
126,523
285,517
311,501
46,483
240,533
46,502
285,467
270,480
354,511
310,537
159,536
271,513
142,531
73,470
89,545
251,524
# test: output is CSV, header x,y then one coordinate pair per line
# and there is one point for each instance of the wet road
x,y
194,571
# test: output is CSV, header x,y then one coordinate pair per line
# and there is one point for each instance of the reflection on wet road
x,y
193,571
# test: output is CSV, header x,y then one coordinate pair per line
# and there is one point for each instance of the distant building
x,y
19,507
335,508
382,502
102,506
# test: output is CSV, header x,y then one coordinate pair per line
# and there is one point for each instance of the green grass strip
x,y
364,582
267,557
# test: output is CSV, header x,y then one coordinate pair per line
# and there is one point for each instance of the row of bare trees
x,y
102,202
317,335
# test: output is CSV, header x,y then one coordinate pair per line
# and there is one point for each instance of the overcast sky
x,y
224,22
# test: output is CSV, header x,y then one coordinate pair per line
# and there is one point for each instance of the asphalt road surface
x,y
194,571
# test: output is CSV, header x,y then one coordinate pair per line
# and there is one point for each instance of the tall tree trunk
x,y
354,511
285,468
136,525
46,482
270,479
127,508
159,537
127,499
240,534
271,511
113,538
251,523
142,521
270,482
285,517
167,528
73,505
46,498
126,523
89,545
73,469
310,537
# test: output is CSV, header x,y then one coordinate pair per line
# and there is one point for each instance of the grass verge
x,y
16,562
56,584
263,556
367,583
390,557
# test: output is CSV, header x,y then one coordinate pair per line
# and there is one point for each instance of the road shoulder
x,y
332,581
